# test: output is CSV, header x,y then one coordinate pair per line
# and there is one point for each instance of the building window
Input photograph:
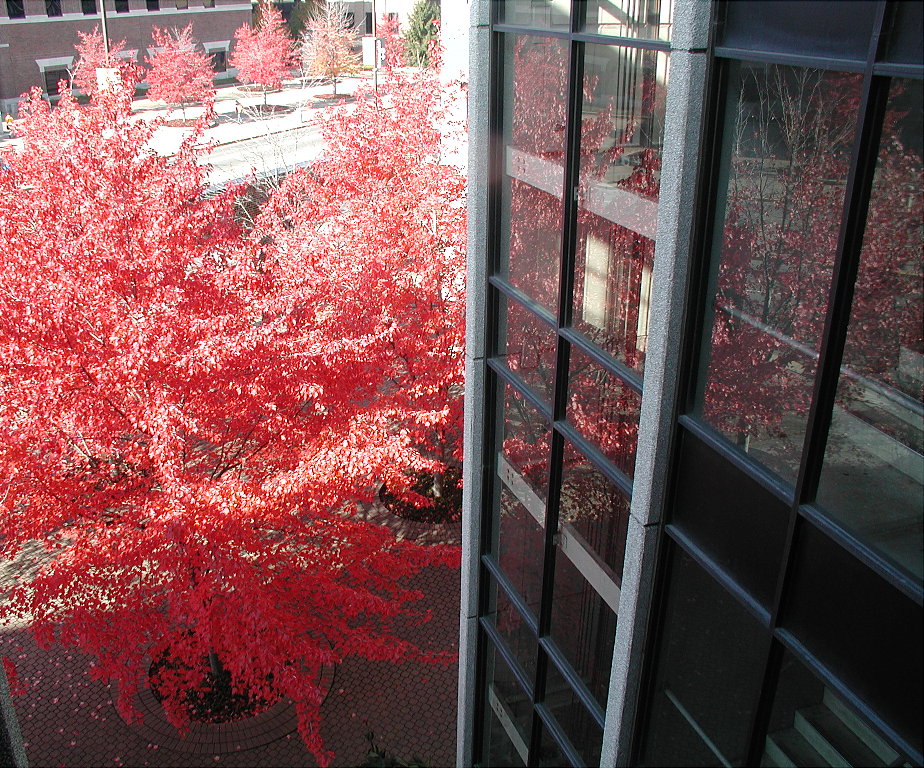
x,y
52,79
53,7
219,60
121,6
208,3
368,23
88,7
153,5
579,158
15,9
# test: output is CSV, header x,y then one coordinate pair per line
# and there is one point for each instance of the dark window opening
x,y
350,19
219,61
53,7
53,78
121,6
88,7
153,5
368,23
15,9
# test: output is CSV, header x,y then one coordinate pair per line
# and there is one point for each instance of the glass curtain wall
x,y
578,106
790,624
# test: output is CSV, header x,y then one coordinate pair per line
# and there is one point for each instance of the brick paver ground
x,y
68,719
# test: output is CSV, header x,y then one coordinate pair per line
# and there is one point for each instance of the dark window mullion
x,y
840,298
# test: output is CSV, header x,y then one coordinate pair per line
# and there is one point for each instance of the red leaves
x,y
179,74
182,420
263,55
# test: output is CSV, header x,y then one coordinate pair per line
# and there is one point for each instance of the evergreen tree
x,y
422,30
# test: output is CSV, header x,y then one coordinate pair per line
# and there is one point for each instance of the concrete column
x,y
680,164
478,125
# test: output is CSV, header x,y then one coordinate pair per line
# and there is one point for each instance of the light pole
x,y
102,11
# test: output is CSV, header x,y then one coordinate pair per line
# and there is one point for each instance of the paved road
x,y
265,154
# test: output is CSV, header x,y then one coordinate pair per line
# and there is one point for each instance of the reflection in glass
x,y
595,510
573,718
528,347
642,19
709,670
534,145
513,628
873,475
550,754
543,14
517,547
508,712
604,410
523,463
622,133
810,725
583,626
789,134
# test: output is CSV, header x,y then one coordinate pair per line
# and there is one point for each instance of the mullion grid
x,y
853,219
499,375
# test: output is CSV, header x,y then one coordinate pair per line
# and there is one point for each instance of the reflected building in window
x,y
695,479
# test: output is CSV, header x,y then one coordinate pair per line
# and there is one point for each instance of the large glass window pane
x,y
544,14
593,512
585,735
583,625
788,139
528,346
709,669
534,145
604,410
507,714
622,133
811,725
513,628
517,546
644,19
873,475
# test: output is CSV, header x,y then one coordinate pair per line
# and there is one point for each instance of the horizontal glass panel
x,y
787,146
534,120
516,543
811,725
523,460
604,410
527,345
583,626
708,673
513,628
643,19
622,134
594,512
873,475
784,26
543,14
572,717
507,714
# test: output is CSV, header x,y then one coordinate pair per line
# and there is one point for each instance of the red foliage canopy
x,y
263,55
92,56
179,73
186,409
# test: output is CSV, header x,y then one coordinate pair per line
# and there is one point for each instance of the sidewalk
x,y
306,104
67,719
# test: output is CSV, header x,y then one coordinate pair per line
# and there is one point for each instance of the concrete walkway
x,y
68,719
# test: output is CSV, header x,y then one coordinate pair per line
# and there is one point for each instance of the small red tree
x,y
263,55
92,56
182,430
179,73
327,45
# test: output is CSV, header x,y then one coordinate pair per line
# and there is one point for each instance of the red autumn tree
x,y
381,222
327,45
263,55
179,73
92,57
182,428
